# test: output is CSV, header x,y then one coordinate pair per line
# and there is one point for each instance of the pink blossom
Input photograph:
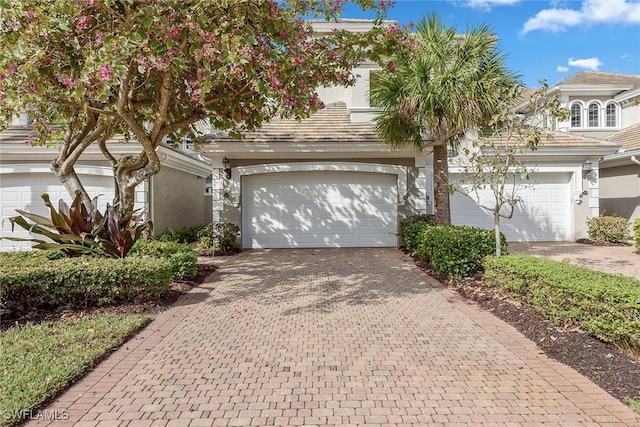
x,y
84,22
195,96
391,67
90,3
2,76
105,72
99,41
173,33
30,15
67,81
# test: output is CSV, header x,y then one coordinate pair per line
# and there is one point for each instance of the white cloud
x,y
591,12
587,63
625,55
562,69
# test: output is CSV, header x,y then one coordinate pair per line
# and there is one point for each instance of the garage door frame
x,y
575,188
238,173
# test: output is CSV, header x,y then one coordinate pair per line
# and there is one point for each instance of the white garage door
x,y
319,209
542,215
23,190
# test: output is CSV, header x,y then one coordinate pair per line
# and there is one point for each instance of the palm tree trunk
x,y
441,185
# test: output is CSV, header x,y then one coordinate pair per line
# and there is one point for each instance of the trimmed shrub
x,y
182,257
609,228
608,305
636,233
412,236
183,235
221,237
456,251
32,281
405,223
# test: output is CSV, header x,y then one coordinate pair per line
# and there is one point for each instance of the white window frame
x,y
615,115
571,116
598,107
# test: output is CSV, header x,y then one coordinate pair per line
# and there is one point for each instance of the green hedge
x,y
220,237
607,305
608,228
182,257
35,281
453,251
183,235
406,223
636,233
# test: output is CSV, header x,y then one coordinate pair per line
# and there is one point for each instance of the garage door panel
x,y
319,209
542,215
23,190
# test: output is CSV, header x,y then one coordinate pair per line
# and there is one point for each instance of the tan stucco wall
x,y
620,191
177,200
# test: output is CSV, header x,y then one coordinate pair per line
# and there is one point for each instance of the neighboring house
x,y
329,181
174,198
606,106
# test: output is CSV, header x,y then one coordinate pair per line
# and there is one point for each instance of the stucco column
x,y
424,186
217,191
593,180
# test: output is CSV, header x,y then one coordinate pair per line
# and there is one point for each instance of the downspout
x,y
634,159
150,198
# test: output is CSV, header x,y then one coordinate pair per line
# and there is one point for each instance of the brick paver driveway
x,y
344,336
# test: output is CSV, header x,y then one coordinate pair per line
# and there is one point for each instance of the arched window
x,y
611,113
576,116
594,115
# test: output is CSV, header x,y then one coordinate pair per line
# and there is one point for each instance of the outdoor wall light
x,y
226,167
587,168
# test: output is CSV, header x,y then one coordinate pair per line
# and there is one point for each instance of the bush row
x,y
453,251
183,235
636,233
607,305
608,228
182,258
49,280
35,281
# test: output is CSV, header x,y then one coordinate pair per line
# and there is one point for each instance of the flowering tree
x,y
497,160
85,70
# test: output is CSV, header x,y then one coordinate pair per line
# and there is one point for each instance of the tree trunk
x,y
496,228
441,185
71,183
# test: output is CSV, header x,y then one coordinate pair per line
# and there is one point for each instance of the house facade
x,y
174,198
606,106
329,181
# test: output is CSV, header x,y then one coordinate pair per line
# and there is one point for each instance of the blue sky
x,y
543,39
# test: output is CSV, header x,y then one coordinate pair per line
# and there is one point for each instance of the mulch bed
x,y
605,364
176,290
600,243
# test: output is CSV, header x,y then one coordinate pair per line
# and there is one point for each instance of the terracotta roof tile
x,y
629,138
599,77
331,124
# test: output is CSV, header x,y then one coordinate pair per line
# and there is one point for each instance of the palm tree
x,y
445,86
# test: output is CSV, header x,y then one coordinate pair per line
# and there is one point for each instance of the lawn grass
x,y
38,361
634,403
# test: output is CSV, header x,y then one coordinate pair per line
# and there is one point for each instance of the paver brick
x,y
332,337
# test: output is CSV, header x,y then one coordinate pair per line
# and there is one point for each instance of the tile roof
x,y
599,77
16,136
552,139
629,138
331,124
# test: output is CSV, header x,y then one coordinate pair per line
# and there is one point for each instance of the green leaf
x,y
5,4
63,26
